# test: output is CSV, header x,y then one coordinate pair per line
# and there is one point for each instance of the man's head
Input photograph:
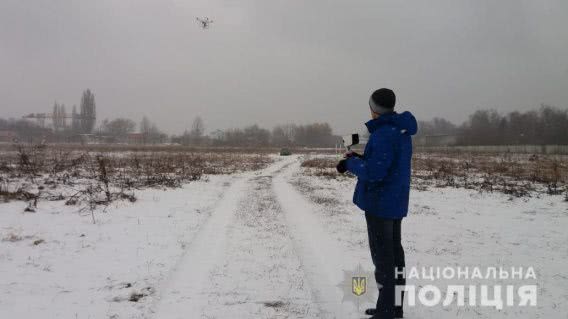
x,y
382,101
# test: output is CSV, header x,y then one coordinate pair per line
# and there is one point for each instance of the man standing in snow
x,y
382,190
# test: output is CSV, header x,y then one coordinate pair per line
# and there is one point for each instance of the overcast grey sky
x,y
279,61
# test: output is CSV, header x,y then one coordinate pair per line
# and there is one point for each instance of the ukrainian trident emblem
x,y
358,285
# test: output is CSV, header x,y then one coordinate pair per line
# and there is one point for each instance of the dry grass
x,y
87,178
321,166
515,174
12,237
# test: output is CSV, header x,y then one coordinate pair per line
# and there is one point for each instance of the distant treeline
x,y
123,130
545,126
288,135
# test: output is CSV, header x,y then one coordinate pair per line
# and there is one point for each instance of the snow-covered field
x,y
274,243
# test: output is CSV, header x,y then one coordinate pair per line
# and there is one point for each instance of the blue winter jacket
x,y
383,171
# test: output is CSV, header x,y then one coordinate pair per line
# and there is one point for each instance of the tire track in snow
x,y
262,276
323,259
201,255
184,293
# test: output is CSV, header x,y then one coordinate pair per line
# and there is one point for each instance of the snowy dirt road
x,y
262,254
275,243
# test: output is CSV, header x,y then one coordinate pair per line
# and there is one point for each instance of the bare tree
x,y
316,134
62,116
75,121
437,126
88,112
145,127
118,128
284,135
150,132
58,117
197,130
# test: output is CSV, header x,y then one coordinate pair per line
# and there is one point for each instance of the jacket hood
x,y
405,121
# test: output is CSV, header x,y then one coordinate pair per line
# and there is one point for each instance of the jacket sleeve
x,y
375,167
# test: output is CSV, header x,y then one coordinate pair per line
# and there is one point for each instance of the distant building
x,y
135,138
8,136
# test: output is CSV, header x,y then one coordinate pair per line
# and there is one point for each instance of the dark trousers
x,y
387,254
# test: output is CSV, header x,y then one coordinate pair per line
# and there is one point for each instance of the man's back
x,y
384,170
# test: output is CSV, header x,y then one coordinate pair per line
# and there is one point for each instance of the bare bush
x,y
90,179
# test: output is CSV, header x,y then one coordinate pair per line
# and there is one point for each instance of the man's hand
x,y
351,154
342,166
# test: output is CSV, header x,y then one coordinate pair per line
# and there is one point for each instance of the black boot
x,y
397,312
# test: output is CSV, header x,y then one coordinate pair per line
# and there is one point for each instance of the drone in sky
x,y
205,22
